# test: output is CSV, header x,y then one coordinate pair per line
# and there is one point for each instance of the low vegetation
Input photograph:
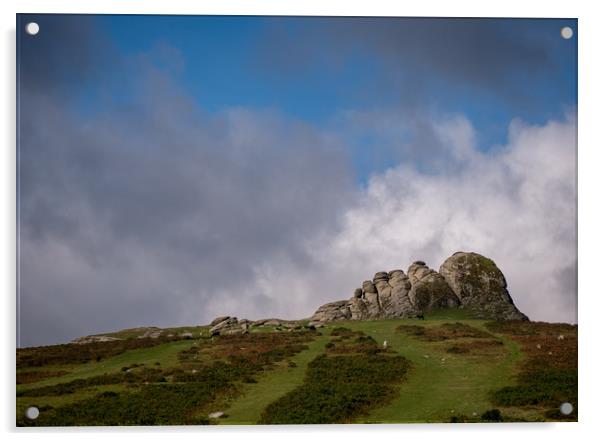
x,y
208,370
35,376
150,405
140,376
477,346
342,384
82,353
446,331
489,416
548,374
448,368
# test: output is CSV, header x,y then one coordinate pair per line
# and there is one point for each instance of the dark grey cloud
x,y
149,224
69,52
465,51
417,65
154,212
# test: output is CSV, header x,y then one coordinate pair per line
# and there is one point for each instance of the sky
x,y
176,168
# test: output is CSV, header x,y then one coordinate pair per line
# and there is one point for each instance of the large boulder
x,y
227,324
218,320
381,282
368,287
429,289
480,286
332,311
358,309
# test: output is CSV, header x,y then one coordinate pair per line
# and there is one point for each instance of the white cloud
x,y
516,205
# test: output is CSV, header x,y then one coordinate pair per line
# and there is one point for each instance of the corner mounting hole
x,y
32,28
566,33
32,412
566,408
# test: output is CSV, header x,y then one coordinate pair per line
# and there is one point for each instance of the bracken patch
x,y
548,375
446,331
35,376
83,353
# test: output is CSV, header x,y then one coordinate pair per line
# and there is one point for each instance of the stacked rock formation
x,y
465,280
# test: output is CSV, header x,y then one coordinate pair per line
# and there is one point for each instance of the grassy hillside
x,y
447,368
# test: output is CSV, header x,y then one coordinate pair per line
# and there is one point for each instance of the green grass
x,y
353,376
177,394
435,390
271,385
43,403
439,385
166,354
155,404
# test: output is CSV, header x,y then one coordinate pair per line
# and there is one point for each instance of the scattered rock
x,y
151,332
93,339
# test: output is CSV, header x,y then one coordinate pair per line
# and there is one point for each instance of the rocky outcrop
x,y
332,311
429,289
218,320
480,285
226,325
93,339
393,291
465,280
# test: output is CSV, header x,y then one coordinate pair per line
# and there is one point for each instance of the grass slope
x,y
272,385
441,384
460,371
165,354
353,376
